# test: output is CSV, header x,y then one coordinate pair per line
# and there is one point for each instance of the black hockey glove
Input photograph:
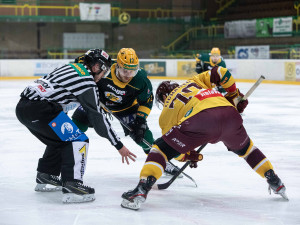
x,y
139,127
199,68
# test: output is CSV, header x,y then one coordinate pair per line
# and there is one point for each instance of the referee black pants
x,y
59,155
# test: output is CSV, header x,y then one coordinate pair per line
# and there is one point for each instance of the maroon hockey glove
x,y
193,156
235,99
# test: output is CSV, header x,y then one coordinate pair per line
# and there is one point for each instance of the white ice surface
x,y
229,191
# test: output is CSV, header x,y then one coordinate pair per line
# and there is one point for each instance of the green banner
x,y
154,68
264,27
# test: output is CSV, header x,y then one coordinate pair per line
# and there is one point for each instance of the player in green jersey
x,y
206,62
127,92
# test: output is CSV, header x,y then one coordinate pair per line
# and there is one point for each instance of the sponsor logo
x,y
188,112
119,92
104,54
66,128
178,142
78,68
83,156
208,93
41,88
74,136
53,124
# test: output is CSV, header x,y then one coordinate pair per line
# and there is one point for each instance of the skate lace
x,y
56,178
82,185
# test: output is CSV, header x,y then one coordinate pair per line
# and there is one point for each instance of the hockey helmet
x,y
94,56
215,51
164,89
128,59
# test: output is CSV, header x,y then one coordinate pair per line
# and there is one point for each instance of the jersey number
x,y
181,97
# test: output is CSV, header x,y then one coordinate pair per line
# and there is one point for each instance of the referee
x,y
42,109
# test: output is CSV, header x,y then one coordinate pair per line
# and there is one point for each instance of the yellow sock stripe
x,y
151,169
262,167
249,150
155,148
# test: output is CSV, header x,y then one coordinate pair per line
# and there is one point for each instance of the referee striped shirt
x,y
64,86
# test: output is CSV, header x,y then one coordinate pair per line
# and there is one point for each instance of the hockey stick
x,y
145,142
253,88
167,184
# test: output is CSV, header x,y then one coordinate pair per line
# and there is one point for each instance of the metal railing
x,y
224,4
33,10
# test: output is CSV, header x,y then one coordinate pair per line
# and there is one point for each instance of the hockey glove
x,y
139,128
198,68
235,99
193,156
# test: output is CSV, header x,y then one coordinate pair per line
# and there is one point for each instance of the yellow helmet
x,y
128,59
215,51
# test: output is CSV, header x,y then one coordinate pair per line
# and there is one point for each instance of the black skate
x,y
47,183
76,192
275,184
170,170
134,198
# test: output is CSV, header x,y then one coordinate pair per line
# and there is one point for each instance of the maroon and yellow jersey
x,y
194,96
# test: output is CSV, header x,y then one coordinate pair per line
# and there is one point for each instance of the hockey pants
x,y
67,146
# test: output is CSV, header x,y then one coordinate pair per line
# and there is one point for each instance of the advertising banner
x,y
43,67
290,71
283,26
94,12
240,29
186,68
264,27
252,52
154,68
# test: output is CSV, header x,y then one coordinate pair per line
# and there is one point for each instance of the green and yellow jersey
x,y
122,98
207,64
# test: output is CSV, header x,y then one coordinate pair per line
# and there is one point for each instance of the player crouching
x,y
193,115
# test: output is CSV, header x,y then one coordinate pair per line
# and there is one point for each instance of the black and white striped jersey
x,y
70,86
62,86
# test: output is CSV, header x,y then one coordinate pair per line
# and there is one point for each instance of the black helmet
x,y
164,88
94,56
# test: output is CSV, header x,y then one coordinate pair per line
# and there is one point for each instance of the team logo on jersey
x,y
188,112
66,127
112,97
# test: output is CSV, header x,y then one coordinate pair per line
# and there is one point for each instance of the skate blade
x,y
73,198
171,175
135,205
284,196
47,188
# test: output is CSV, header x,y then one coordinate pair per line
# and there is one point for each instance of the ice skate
x,y
170,170
76,192
47,183
275,184
134,198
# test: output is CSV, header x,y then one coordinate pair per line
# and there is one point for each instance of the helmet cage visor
x,y
127,72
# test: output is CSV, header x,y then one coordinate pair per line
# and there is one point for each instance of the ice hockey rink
x,y
228,192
